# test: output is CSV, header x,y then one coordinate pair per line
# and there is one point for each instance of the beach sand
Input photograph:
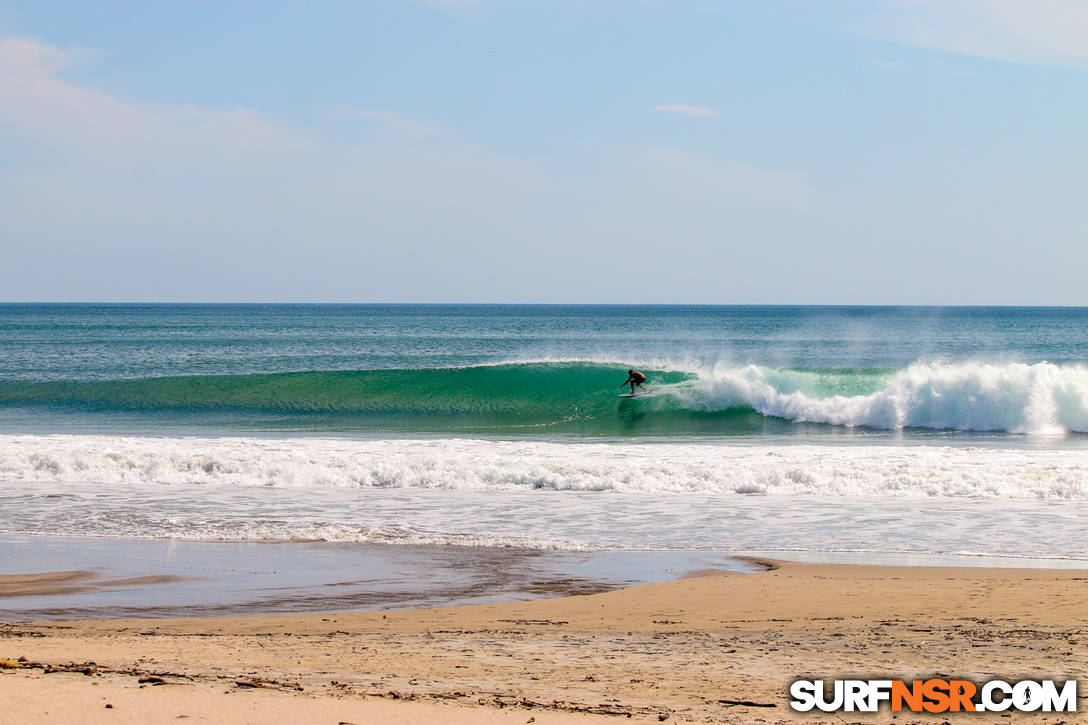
x,y
717,647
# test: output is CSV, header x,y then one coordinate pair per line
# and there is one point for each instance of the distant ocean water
x,y
811,428
542,369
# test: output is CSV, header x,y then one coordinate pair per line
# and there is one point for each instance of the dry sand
x,y
719,647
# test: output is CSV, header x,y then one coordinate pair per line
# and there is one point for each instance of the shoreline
x,y
48,577
56,577
688,650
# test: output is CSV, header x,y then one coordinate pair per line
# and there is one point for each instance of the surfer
x,y
635,378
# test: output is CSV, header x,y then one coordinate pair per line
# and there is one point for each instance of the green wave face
x,y
574,398
569,396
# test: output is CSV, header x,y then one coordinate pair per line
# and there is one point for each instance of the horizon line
x,y
13,303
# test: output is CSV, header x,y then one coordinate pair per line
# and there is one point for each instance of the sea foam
x,y
1041,398
526,465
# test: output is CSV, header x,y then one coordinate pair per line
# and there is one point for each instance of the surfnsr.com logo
x,y
934,695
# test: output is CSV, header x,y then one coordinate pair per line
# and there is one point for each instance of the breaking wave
x,y
580,398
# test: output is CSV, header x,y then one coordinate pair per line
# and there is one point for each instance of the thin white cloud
x,y
30,55
120,198
886,64
687,110
393,120
1046,32
688,176
85,122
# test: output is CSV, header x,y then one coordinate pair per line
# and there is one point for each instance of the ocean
x,y
892,432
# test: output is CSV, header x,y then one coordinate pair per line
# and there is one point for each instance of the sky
x,y
559,151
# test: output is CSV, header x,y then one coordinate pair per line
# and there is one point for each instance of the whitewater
x,y
1037,398
314,465
549,495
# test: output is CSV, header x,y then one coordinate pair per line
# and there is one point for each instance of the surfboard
x,y
631,395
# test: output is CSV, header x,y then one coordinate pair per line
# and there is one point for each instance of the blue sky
x,y
847,152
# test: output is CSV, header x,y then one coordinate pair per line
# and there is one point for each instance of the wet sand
x,y
57,583
721,647
56,577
